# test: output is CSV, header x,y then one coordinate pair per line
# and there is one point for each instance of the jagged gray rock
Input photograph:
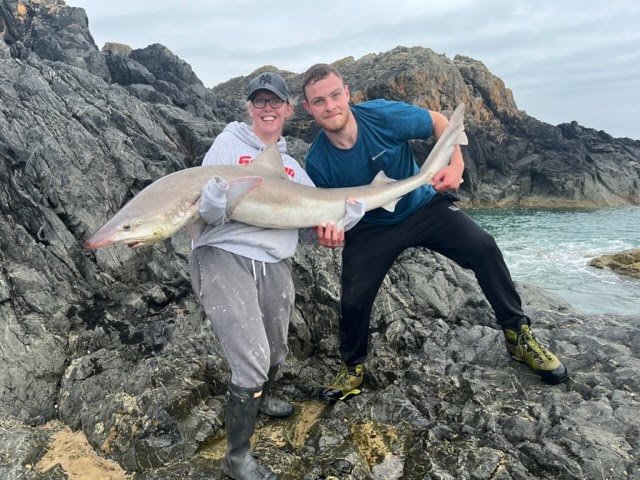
x,y
113,343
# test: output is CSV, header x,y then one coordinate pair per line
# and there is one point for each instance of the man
x,y
353,145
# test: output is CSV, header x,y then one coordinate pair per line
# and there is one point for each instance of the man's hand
x,y
449,178
329,235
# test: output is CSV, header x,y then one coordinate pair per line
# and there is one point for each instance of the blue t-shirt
x,y
384,130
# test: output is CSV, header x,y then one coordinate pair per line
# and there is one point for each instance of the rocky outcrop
x,y
512,158
625,263
113,344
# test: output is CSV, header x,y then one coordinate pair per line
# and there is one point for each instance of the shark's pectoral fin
x,y
195,229
239,188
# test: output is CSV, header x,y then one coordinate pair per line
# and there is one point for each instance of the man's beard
x,y
334,124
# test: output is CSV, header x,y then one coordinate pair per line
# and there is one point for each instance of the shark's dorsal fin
x,y
269,163
381,179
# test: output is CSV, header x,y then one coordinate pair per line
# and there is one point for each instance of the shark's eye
x,y
126,227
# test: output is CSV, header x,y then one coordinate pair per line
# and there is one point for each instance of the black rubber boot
x,y
274,407
240,418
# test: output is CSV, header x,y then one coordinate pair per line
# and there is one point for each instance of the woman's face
x,y
268,120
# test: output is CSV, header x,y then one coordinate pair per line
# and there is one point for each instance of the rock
x,y
512,159
117,48
113,344
625,263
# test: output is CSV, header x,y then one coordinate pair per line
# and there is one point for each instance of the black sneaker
x,y
524,347
345,384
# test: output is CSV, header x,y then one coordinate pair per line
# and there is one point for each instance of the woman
x,y
242,276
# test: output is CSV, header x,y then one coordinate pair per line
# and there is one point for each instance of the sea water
x,y
551,248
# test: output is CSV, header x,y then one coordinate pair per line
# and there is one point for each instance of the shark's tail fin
x,y
442,150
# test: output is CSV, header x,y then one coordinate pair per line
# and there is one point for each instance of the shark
x,y
260,193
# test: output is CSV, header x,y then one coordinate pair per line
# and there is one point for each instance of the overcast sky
x,y
564,60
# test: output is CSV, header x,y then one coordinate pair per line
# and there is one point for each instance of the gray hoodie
x,y
237,144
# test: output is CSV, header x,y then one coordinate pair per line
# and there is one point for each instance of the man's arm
x,y
450,177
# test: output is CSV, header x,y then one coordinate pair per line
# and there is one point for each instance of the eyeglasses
x,y
275,102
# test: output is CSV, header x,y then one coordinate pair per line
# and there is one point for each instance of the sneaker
x,y
524,347
345,384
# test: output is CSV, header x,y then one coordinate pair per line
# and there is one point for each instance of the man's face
x,y
327,100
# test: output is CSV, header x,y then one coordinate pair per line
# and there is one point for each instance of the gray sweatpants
x,y
249,304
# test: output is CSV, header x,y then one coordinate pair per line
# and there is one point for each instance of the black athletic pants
x,y
370,250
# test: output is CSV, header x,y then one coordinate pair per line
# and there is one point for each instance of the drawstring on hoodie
x,y
264,270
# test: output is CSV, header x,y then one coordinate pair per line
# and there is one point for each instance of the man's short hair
x,y
317,72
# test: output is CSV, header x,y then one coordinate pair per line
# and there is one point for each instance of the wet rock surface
x,y
112,343
625,263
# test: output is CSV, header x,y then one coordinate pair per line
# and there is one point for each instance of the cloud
x,y
563,61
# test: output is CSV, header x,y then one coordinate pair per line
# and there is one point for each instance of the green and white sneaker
x,y
524,347
345,384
